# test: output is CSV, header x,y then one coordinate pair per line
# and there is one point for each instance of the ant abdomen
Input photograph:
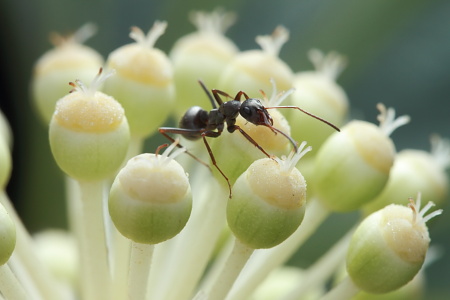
x,y
194,118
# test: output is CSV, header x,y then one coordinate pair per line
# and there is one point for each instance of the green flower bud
x,y
413,290
144,81
352,166
150,200
388,248
207,47
416,170
5,130
89,133
319,94
7,236
5,163
68,60
268,201
251,70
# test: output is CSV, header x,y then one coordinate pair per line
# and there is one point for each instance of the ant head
x,y
253,111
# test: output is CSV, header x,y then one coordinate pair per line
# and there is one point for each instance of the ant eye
x,y
247,110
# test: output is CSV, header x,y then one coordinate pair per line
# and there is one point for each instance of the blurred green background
x,y
398,52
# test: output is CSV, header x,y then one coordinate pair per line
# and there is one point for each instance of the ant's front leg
x,y
249,138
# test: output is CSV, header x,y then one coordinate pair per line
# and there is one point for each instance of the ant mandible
x,y
199,123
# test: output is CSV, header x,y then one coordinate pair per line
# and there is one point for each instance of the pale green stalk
x,y
196,242
24,246
317,274
235,263
96,277
264,261
217,265
346,289
10,287
120,263
23,276
140,261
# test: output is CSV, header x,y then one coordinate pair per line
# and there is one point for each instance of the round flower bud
x,y
68,60
252,70
319,94
5,130
5,163
388,248
207,47
89,133
7,236
150,200
268,202
352,166
144,81
416,170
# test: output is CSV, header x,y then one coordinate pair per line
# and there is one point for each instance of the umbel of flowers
x,y
167,225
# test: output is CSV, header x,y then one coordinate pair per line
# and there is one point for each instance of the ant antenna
x,y
309,114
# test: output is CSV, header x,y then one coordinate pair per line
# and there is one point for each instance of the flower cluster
x,y
216,218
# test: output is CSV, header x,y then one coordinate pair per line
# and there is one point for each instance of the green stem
x,y
346,289
264,261
197,241
235,263
39,272
96,278
121,247
317,274
10,287
140,260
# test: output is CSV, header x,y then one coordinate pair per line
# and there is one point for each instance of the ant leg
x,y
250,139
240,94
213,160
216,94
163,131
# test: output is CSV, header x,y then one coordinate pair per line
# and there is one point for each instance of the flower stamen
x,y
272,44
287,164
388,122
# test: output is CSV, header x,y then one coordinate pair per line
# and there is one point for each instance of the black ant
x,y
199,123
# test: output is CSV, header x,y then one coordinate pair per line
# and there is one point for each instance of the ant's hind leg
x,y
213,161
163,131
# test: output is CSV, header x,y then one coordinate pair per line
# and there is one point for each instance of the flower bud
x,y
318,93
252,70
7,236
268,202
68,60
5,163
89,133
144,81
207,47
352,166
416,170
5,130
388,248
150,200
